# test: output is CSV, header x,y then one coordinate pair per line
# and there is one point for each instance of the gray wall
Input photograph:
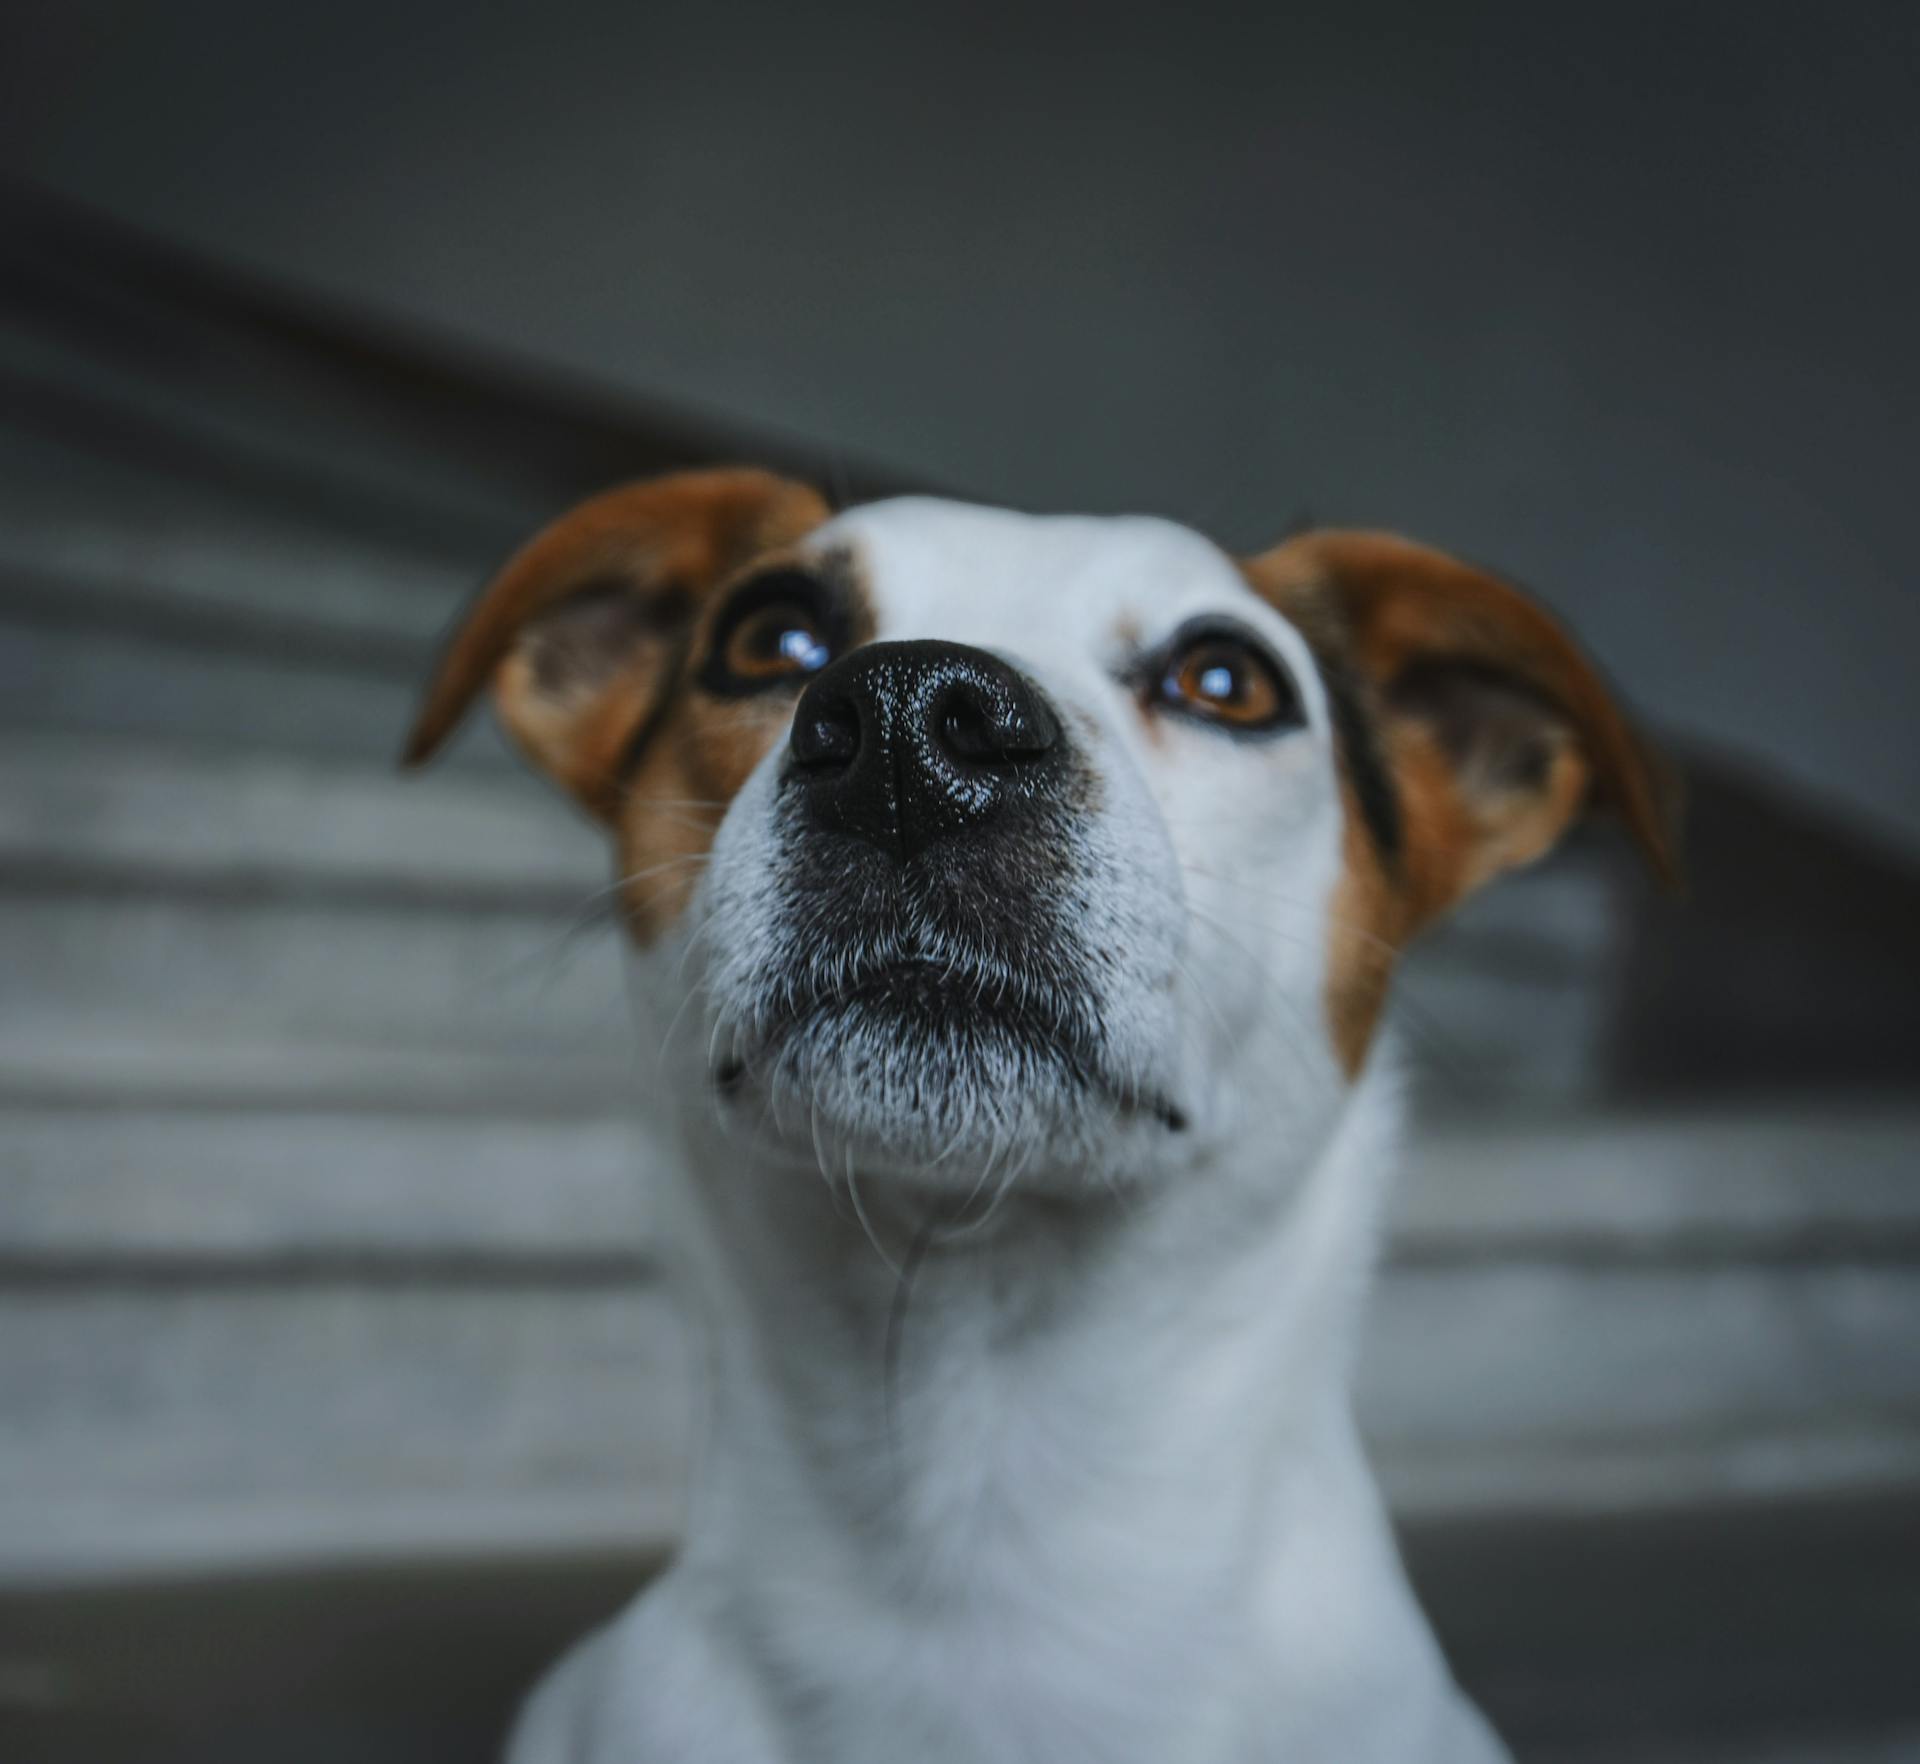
x,y
1620,300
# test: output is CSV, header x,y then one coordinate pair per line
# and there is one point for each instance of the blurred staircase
x,y
323,1230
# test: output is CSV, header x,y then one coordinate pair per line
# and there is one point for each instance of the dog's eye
x,y
776,641
779,630
1228,678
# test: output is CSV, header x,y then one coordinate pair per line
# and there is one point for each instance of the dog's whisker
x,y
1205,996
1322,913
1264,968
694,993
1014,1172
1427,1032
700,932
550,952
866,1224
612,890
964,1227
946,1151
894,1343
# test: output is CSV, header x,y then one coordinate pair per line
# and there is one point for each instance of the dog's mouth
x,y
927,1042
918,1000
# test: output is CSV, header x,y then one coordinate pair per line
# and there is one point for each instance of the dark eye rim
x,y
1160,667
784,586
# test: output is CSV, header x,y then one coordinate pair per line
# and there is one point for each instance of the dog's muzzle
x,y
904,745
944,916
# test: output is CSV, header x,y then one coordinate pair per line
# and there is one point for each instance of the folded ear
x,y
581,633
1495,731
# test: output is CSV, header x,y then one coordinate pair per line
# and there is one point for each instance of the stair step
x,y
286,693
1496,1385
99,1065
230,1191
173,814
133,1412
382,969
1832,1177
107,536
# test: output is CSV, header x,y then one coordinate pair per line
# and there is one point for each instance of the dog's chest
x,y
1038,1615
1019,1678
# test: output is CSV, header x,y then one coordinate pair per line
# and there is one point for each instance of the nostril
x,y
966,729
981,726
826,733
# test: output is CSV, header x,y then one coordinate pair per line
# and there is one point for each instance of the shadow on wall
x,y
1794,962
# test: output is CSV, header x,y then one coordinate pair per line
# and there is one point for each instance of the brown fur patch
x,y
587,638
1497,733
1364,944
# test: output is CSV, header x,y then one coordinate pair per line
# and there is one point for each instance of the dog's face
x,y
961,845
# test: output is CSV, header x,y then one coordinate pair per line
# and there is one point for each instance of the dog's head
x,y
956,839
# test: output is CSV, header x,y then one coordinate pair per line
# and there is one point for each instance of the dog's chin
x,y
915,1078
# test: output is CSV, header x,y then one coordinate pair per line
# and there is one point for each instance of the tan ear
x,y
580,633
1497,733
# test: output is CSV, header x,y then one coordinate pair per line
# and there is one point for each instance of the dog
x,y
1014,900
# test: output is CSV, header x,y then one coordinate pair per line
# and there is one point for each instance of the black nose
x,y
901,744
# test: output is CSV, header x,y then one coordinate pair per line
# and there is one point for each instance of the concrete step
x,y
1833,1178
174,814
1539,1386
284,692
381,968
228,1190
105,535
161,1425
99,1065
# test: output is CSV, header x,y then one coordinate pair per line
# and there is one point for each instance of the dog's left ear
x,y
1495,731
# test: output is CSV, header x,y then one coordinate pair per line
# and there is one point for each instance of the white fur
x,y
1110,1505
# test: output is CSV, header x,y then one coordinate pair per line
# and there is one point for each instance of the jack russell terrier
x,y
1014,900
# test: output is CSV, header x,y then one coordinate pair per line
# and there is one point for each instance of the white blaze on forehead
x,y
1053,590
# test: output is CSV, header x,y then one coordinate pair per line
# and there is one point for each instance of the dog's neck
x,y
1116,1405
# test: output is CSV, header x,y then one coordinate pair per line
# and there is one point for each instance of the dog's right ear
x,y
581,633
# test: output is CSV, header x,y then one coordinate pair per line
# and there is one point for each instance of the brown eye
x,y
1226,678
775,642
780,630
